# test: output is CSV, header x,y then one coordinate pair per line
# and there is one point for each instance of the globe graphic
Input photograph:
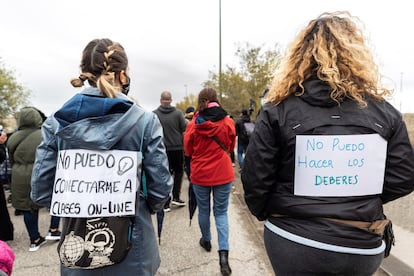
x,y
72,248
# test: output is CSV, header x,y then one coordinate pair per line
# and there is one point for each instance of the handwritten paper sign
x,y
92,183
339,165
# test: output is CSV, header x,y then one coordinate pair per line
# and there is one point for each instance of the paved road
x,y
179,249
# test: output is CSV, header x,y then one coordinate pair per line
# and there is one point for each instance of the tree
x,y
190,100
241,87
12,94
257,69
233,87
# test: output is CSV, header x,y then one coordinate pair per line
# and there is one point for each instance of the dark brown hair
x,y
102,61
205,96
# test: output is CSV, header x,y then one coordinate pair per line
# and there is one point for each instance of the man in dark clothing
x,y
173,124
6,225
242,136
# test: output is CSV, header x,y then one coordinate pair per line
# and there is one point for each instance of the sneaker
x,y
36,245
168,209
53,236
178,202
205,244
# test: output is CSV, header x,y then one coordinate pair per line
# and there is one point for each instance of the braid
x,y
106,63
102,61
78,82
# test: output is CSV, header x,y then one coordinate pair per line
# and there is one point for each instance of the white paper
x,y
95,183
339,165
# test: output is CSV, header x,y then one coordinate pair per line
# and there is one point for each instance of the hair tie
x,y
87,76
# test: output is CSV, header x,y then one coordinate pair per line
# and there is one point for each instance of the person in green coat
x,y
22,152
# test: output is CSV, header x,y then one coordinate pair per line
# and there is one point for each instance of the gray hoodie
x,y
173,124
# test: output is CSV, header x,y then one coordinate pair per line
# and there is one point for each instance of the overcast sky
x,y
173,44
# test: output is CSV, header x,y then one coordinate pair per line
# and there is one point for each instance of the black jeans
x,y
294,259
176,166
6,225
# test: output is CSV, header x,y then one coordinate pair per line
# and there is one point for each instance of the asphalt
x,y
401,260
181,254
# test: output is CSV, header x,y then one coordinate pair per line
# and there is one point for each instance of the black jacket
x,y
242,137
2,153
269,168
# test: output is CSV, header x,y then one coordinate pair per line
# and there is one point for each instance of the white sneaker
x,y
178,202
53,236
35,246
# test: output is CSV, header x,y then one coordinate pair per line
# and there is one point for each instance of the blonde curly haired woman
x,y
327,152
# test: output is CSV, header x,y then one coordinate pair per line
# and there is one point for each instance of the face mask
x,y
125,87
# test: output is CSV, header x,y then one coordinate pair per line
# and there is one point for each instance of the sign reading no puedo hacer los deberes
x,y
92,183
339,165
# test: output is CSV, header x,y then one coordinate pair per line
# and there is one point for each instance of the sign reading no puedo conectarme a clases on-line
x,y
339,165
92,183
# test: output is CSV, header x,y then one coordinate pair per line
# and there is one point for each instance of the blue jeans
x,y
241,149
221,194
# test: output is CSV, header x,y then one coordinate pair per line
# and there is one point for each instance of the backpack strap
x,y
221,144
143,176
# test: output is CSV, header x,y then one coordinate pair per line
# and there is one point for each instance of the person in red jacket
x,y
208,140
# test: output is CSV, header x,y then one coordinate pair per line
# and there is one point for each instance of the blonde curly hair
x,y
333,48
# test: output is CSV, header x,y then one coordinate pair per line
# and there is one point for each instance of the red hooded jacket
x,y
210,164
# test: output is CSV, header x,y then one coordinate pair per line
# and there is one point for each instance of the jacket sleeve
x,y
399,170
44,167
260,166
237,127
183,122
155,164
232,135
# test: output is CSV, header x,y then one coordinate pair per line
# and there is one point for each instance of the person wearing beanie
x,y
189,113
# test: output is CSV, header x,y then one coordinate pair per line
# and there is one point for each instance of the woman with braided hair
x,y
102,118
104,65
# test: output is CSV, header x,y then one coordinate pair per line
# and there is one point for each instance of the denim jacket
x,y
91,121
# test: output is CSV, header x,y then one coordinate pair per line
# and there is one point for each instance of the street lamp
x,y
401,90
220,94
